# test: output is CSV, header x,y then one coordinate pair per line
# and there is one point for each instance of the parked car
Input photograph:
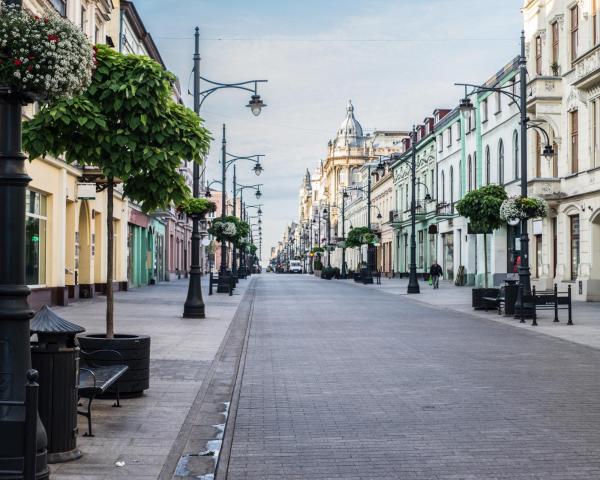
x,y
295,266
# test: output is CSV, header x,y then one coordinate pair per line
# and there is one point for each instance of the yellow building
x,y
66,219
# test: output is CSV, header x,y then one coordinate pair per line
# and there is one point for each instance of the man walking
x,y
435,272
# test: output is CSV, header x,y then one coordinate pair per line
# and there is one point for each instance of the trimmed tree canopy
x,y
482,208
360,236
127,125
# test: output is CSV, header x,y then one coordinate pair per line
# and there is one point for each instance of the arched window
x,y
516,159
452,188
469,173
443,182
355,176
488,163
500,162
341,177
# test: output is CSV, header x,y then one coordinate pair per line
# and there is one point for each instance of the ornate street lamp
x,y
466,106
194,303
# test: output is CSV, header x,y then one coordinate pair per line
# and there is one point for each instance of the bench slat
x,y
105,377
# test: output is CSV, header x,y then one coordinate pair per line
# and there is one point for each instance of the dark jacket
x,y
435,270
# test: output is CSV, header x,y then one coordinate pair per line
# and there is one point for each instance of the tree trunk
x,y
485,262
110,325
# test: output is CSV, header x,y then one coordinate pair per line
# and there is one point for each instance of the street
x,y
345,382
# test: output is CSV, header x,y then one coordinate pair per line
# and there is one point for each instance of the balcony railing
x,y
444,209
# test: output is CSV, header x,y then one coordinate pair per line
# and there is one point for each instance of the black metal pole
x,y
233,250
329,237
413,282
194,303
15,313
524,271
223,267
344,273
370,247
310,262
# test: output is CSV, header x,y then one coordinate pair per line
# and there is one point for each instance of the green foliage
x,y
197,206
127,125
360,236
252,249
317,250
317,265
482,208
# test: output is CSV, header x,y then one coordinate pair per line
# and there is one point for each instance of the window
x,y
574,120
475,170
60,6
555,160
440,142
449,136
35,240
421,252
501,162
555,44
574,246
538,155
594,23
594,133
574,32
432,181
469,173
498,102
487,165
443,183
452,188
538,55
484,111
516,159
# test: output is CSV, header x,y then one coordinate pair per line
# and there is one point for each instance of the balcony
x,y
443,209
546,188
544,90
587,69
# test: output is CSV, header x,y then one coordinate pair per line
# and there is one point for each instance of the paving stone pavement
x,y
142,433
349,383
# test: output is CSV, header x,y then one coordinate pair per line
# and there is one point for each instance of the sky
x,y
397,60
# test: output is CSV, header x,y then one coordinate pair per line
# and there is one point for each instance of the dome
x,y
350,132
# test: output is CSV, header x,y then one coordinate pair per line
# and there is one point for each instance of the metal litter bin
x,y
55,355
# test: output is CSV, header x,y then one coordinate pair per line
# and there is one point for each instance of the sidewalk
x,y
142,432
586,315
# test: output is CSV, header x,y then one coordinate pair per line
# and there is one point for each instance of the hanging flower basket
x,y
197,207
46,57
224,231
522,208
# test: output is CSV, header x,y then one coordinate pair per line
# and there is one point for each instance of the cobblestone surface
x,y
341,382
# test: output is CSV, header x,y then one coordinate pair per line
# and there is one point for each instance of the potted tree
x,y
127,125
197,207
482,208
357,237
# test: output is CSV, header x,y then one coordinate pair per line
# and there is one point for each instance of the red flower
x,y
46,20
17,62
31,57
53,38
29,68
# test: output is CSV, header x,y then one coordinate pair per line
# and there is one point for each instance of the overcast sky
x,y
396,59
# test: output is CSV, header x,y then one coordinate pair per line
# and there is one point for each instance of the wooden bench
x,y
495,302
95,379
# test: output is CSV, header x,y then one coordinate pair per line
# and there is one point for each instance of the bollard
x,y
521,306
31,407
555,303
533,304
210,283
570,322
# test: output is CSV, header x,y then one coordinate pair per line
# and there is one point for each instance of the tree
x,y
128,126
482,208
360,236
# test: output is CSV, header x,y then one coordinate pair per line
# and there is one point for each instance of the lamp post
x,y
240,188
466,107
194,303
15,312
227,160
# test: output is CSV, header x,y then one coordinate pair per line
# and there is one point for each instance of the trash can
x,y
55,355
511,293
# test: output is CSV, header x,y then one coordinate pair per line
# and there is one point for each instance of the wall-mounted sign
x,y
86,191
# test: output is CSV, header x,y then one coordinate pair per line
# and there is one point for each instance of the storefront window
x,y
35,239
513,249
574,246
448,261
